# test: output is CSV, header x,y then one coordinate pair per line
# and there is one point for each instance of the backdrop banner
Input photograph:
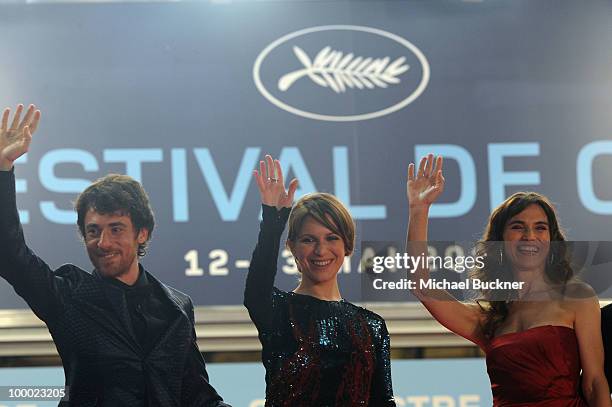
x,y
188,97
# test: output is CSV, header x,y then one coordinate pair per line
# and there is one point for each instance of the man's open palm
x,y
15,139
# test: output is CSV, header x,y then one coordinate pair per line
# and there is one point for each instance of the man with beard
x,y
125,338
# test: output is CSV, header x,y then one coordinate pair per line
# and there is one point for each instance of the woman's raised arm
x,y
423,188
276,202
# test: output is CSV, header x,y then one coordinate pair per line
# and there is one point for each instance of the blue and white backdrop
x,y
188,96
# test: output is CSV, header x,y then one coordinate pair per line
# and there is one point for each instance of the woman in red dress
x,y
537,339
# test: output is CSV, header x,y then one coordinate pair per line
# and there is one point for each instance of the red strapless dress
x,y
536,367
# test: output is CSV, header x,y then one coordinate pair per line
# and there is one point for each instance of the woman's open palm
x,y
427,184
271,184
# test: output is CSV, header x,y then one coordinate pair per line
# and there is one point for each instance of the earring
x,y
551,259
501,256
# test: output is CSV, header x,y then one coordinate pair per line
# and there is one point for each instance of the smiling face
x,y
527,239
112,244
318,251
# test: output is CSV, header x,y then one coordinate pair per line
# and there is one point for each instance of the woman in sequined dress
x,y
318,349
537,339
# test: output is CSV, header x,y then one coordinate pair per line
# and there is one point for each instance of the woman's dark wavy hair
x,y
558,268
122,194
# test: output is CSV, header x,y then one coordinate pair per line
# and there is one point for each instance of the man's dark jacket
x,y
104,364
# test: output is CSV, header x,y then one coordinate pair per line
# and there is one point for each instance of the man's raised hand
x,y
15,139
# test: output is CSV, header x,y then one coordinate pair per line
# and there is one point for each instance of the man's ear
x,y
143,235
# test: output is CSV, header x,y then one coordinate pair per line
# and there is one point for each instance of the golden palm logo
x,y
337,71
404,72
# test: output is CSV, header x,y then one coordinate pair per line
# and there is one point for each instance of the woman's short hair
x,y
329,212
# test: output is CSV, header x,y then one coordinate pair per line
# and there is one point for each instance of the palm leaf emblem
x,y
337,71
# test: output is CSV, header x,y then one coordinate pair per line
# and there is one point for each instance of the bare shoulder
x,y
582,300
579,290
